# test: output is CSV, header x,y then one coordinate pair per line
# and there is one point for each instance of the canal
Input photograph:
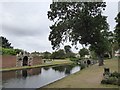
x,y
36,77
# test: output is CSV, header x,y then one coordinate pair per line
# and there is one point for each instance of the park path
x,y
87,78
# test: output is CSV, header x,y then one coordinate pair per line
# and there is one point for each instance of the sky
x,y
26,25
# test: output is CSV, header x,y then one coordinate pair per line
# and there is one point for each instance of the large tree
x,y
78,22
4,43
117,29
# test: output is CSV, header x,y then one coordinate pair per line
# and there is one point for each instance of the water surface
x,y
37,77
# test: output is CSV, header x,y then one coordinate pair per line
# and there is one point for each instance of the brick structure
x,y
19,60
8,61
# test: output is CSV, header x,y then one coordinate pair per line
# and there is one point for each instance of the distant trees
x,y
83,52
68,51
117,29
46,55
60,54
4,43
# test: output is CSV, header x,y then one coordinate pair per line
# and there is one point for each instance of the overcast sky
x,y
26,26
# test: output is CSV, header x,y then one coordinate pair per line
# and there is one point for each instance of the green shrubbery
x,y
7,51
113,78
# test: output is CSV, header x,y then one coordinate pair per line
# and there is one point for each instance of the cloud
x,y
26,25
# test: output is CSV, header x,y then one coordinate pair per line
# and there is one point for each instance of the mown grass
x,y
87,78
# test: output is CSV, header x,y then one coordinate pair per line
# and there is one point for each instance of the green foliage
x,y
18,51
68,52
117,29
77,22
112,79
83,52
115,74
46,55
60,54
67,49
4,43
8,51
93,55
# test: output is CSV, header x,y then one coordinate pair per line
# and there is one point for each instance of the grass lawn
x,y
87,78
52,63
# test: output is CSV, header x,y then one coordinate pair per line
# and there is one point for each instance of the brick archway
x,y
25,61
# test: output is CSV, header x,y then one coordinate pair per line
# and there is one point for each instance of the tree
x,y
60,54
67,49
18,51
68,52
79,22
4,43
83,52
46,55
117,29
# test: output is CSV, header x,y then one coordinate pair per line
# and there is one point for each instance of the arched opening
x,y
25,61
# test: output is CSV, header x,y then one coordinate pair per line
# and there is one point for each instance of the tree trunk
x,y
100,60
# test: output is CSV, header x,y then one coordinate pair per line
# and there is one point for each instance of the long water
x,y
36,77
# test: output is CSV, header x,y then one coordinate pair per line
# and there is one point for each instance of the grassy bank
x,y
87,78
52,63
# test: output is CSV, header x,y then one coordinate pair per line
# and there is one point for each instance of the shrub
x,y
112,79
115,74
6,51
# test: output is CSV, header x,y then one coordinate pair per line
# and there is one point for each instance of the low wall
x,y
8,61
37,60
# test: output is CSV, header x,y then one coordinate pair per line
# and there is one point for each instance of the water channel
x,y
36,77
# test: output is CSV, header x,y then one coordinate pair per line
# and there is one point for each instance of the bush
x,y
112,79
6,51
115,74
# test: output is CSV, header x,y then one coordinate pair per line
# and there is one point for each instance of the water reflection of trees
x,y
46,68
69,68
59,68
66,68
24,73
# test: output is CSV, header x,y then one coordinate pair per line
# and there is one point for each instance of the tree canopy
x,y
79,22
4,43
117,29
83,52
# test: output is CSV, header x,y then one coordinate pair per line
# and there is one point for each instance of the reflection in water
x,y
46,68
59,68
37,77
24,73
20,73
68,69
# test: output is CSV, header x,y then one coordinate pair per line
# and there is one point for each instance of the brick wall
x,y
8,61
37,60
